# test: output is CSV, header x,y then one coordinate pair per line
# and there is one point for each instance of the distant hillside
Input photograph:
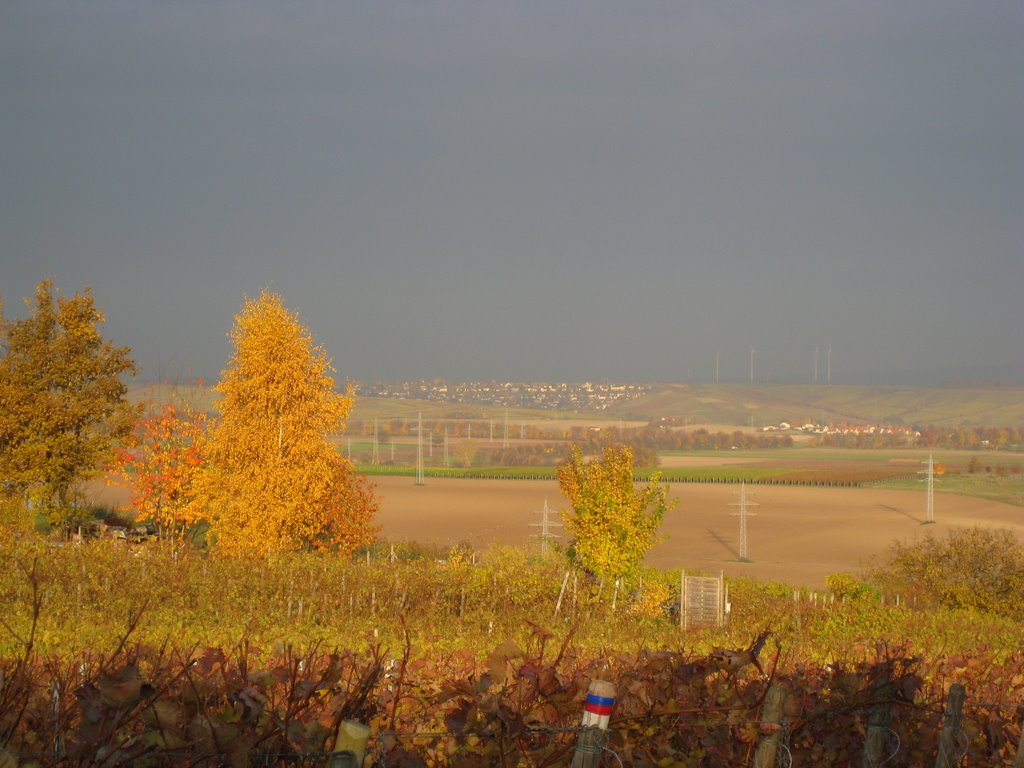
x,y
770,404
720,405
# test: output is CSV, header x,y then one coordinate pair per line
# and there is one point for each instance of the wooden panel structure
x,y
702,600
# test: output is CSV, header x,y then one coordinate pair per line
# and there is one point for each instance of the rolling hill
x,y
770,404
719,404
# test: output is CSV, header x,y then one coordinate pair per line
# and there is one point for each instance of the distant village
x,y
562,396
594,397
812,428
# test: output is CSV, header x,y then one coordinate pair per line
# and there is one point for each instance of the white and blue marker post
x,y
597,710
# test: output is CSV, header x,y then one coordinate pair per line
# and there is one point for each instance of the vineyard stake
x,y
771,725
350,745
947,756
596,712
682,599
561,593
1018,761
878,723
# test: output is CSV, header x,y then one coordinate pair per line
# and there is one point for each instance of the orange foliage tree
x,y
274,481
161,465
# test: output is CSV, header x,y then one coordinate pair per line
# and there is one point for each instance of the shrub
x,y
845,587
976,568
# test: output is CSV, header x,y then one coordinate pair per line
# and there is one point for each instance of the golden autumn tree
x,y
161,464
273,480
63,402
614,524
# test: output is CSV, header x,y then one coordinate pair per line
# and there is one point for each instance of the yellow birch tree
x,y
613,523
273,481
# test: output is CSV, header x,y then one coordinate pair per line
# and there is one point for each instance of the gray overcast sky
x,y
529,190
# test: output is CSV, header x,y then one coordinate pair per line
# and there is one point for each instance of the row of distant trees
x,y
644,444
648,441
930,436
261,477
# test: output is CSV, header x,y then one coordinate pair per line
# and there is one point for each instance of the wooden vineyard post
x,y
947,757
682,599
350,745
878,724
596,712
561,593
1018,761
771,726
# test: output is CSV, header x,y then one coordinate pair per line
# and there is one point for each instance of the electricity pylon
x,y
929,473
545,526
744,513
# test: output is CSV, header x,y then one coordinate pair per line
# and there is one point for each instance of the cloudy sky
x,y
578,190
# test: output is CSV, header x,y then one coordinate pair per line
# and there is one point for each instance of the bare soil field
x,y
795,535
798,536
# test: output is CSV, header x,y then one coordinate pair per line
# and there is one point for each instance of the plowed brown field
x,y
799,535
795,535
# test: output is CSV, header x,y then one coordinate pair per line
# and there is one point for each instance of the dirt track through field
x,y
795,535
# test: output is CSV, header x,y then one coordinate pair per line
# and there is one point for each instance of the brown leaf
x,y
457,718
547,682
238,751
248,704
210,658
497,661
88,696
121,688
164,715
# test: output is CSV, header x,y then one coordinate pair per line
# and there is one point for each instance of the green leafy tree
x,y
974,568
63,402
613,522
274,481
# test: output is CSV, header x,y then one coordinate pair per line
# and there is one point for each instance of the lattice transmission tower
x,y
744,513
545,525
375,459
419,449
929,473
